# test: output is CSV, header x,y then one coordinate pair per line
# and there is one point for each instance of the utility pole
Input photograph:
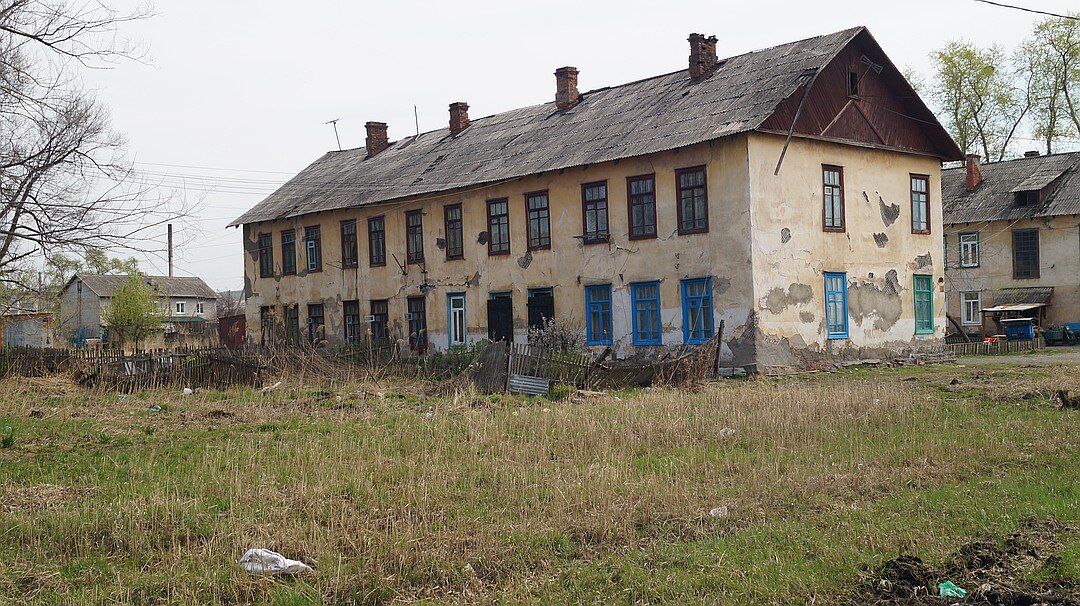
x,y
170,251
334,122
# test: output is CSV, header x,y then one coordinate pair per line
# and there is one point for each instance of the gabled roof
x,y
106,286
993,199
648,116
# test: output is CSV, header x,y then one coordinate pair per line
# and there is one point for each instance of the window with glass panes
x,y
924,304
594,212
697,310
693,199
598,328
539,220
498,227
316,322
288,252
349,253
836,312
414,236
920,204
456,328
292,323
1025,253
313,245
832,179
455,240
641,201
971,308
645,300
380,319
266,255
350,311
969,250
377,241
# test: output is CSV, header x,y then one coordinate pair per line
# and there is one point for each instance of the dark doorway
x,y
417,324
501,317
541,306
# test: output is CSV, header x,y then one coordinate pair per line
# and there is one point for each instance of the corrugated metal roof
x,y
993,199
105,286
1031,295
648,116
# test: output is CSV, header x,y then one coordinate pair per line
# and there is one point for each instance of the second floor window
x,y
348,244
288,252
594,212
692,194
641,198
266,255
455,241
376,241
539,220
313,244
498,227
920,204
414,235
180,306
1025,253
832,179
969,250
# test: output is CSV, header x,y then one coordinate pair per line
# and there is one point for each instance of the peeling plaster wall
x,y
723,253
1059,265
791,252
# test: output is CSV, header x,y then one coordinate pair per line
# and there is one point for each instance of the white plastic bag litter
x,y
264,561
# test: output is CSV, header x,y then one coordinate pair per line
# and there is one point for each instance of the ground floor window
x,y
836,311
316,323
645,299
697,310
380,319
417,318
924,304
541,306
598,328
351,312
292,323
266,324
457,331
971,308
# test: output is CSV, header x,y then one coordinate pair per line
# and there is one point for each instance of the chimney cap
x,y
1031,154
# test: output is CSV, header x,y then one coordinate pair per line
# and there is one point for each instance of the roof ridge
x,y
962,166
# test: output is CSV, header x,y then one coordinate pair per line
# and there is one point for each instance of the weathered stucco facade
x,y
764,253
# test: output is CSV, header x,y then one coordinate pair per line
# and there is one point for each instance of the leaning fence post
x,y
718,344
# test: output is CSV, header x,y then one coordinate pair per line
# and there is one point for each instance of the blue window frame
x,y
645,299
924,304
697,309
598,313
836,311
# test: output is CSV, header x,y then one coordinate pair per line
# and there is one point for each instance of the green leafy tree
x,y
134,312
1050,60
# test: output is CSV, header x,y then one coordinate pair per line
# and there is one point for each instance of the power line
x,y
1029,10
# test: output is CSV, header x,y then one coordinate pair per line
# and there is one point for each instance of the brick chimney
x,y
566,92
974,175
376,137
1031,154
459,116
702,55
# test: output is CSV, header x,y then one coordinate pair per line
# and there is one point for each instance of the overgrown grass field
x,y
762,491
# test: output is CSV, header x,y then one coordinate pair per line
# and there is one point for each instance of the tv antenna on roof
x,y
336,136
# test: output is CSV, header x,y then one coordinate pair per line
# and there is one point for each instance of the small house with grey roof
x,y
1012,241
189,306
792,193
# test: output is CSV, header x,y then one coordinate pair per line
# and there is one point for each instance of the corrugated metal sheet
x,y
1038,180
533,386
652,115
993,199
1033,295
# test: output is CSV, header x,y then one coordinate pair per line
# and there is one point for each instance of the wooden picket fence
x,y
995,347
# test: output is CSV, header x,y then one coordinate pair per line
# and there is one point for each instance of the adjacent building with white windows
x,y
791,193
1012,241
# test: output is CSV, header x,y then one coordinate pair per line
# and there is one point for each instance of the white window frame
x,y
457,327
199,308
179,307
969,249
967,316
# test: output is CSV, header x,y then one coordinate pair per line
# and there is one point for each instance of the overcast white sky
x,y
236,93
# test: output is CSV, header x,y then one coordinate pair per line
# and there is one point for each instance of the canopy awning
x,y
1015,307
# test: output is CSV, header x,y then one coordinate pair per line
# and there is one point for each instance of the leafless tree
x,y
64,182
229,303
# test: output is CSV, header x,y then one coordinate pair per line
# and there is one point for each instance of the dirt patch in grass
x,y
1022,570
38,497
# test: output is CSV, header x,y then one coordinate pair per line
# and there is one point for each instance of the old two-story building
x,y
1012,237
189,309
791,193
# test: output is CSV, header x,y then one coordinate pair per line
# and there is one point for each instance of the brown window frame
x,y
1038,254
377,260
630,207
313,233
596,237
491,238
451,254
542,214
679,201
824,200
288,253
346,260
265,243
911,196
414,256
